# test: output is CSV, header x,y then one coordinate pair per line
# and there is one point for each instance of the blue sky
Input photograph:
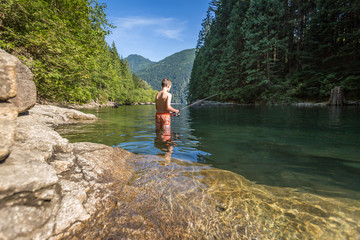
x,y
154,29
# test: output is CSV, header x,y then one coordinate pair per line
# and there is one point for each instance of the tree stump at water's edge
x,y
337,97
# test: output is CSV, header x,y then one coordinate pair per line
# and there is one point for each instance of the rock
x,y
45,194
337,97
25,178
71,211
63,162
8,84
55,115
309,104
26,94
18,88
8,114
20,221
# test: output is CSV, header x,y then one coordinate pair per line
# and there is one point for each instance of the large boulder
x,y
337,97
17,95
43,185
8,83
26,94
8,114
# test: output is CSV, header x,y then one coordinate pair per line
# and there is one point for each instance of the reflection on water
x,y
165,142
310,149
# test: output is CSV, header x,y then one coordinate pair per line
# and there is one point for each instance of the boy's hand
x,y
176,113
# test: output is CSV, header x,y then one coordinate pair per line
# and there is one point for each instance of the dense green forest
x,y
176,67
278,51
63,43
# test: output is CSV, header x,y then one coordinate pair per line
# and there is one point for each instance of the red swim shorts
x,y
162,121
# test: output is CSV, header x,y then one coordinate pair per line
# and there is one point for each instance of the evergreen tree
x,y
275,50
231,72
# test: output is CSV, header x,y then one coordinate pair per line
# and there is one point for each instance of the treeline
x,y
277,50
63,43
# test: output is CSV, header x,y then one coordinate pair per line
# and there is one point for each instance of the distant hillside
x,y
137,62
177,68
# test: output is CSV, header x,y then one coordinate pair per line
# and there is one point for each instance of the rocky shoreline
x,y
94,104
296,104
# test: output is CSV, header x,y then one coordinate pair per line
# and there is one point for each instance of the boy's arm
x,y
168,105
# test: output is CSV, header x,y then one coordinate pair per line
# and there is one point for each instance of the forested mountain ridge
x,y
177,68
277,50
63,43
138,63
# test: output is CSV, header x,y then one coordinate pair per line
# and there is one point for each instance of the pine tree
x,y
230,71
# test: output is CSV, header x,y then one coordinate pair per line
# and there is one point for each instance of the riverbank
x,y
92,104
297,104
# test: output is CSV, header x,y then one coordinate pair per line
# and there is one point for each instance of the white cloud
x,y
170,33
137,26
135,21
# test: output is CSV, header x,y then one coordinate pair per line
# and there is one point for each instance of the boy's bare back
x,y
163,100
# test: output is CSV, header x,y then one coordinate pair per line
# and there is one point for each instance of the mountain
x,y
176,67
137,62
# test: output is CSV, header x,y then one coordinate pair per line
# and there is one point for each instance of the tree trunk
x,y
337,97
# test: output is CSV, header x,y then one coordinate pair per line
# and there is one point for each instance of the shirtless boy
x,y
163,107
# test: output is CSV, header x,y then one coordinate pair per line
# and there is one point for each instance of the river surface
x,y
311,149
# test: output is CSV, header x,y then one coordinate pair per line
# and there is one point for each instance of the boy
x,y
163,107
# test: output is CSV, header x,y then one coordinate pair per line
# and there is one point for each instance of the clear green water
x,y
313,149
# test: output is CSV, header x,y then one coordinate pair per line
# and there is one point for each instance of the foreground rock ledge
x,y
52,189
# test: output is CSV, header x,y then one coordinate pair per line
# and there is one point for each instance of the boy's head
x,y
166,83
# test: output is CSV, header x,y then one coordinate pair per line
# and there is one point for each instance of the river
x,y
311,149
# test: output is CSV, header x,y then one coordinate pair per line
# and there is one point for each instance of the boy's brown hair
x,y
166,82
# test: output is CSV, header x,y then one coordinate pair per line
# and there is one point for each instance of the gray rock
x,y
26,94
25,178
63,162
53,115
41,194
71,211
8,114
23,220
8,84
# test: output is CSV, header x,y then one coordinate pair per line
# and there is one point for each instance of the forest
x,y
272,51
63,43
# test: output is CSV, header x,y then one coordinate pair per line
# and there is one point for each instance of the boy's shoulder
x,y
167,93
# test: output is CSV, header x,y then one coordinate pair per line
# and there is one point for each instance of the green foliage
x,y
63,42
177,68
276,50
138,63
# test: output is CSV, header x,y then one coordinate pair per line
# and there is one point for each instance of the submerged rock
x,y
180,200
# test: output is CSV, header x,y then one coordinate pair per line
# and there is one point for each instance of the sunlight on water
x,y
314,150
172,199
